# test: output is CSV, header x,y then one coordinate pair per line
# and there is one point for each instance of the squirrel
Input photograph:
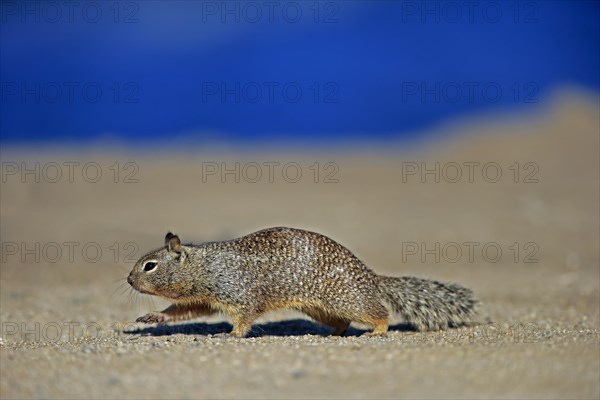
x,y
291,268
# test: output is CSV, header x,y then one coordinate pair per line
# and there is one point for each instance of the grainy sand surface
x,y
66,318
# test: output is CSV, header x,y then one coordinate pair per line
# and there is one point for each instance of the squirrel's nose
x,y
129,280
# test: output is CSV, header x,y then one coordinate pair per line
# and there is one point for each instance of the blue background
x,y
375,66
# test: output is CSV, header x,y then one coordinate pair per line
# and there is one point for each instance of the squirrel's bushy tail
x,y
428,304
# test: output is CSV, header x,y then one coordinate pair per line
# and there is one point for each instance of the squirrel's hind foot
x,y
380,328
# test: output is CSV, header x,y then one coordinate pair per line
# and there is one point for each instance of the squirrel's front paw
x,y
152,318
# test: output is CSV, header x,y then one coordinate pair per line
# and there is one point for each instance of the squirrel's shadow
x,y
291,327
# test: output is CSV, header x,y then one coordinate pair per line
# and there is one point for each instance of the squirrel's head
x,y
162,272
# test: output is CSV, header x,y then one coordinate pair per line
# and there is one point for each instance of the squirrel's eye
x,y
149,266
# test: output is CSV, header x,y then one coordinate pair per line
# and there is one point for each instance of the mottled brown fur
x,y
290,268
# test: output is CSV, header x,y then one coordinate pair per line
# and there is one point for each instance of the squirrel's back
x,y
289,253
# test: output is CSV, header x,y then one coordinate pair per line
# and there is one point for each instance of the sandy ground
x,y
66,316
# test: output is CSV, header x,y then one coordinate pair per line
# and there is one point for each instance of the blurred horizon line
x,y
450,129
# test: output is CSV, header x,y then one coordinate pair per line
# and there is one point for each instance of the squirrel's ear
x,y
168,237
173,243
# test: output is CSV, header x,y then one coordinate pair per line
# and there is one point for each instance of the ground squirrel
x,y
290,268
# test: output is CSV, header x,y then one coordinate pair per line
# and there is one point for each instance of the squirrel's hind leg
x,y
380,328
339,325
377,317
